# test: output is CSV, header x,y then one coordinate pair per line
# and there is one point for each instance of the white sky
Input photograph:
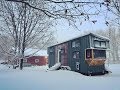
x,y
66,32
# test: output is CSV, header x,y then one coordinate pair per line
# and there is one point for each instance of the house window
x,y
75,44
97,43
99,53
88,53
36,60
76,55
101,44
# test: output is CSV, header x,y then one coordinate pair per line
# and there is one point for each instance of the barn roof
x,y
35,52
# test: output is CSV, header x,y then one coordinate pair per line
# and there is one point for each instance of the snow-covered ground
x,y
36,78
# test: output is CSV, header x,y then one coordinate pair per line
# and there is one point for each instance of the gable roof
x,y
96,35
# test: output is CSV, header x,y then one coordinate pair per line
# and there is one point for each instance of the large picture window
x,y
96,53
99,53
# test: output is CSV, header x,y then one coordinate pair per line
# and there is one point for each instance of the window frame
x,y
100,44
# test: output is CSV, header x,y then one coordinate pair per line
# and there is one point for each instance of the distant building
x,y
33,57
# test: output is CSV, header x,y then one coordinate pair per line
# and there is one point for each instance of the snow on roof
x,y
35,52
82,36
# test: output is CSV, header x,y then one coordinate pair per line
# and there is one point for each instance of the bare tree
x,y
25,26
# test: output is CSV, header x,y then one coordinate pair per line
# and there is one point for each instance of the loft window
x,y
101,44
76,43
97,43
76,55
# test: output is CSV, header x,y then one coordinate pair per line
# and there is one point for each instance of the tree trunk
x,y
21,63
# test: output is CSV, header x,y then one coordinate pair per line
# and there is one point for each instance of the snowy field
x,y
36,78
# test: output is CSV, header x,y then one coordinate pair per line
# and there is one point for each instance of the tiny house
x,y
85,54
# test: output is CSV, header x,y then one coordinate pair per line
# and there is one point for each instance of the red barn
x,y
35,57
36,60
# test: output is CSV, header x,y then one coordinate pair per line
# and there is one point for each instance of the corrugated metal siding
x,y
51,57
85,43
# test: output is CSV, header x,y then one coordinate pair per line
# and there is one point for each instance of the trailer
x,y
85,54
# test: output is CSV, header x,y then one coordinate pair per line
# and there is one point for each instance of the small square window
x,y
75,44
76,55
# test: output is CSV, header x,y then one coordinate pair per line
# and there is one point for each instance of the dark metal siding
x,y
51,57
85,43
72,50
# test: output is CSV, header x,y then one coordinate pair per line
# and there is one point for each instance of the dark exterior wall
x,y
51,57
72,50
85,43
42,60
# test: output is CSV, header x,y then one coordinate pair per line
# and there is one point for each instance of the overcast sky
x,y
65,32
